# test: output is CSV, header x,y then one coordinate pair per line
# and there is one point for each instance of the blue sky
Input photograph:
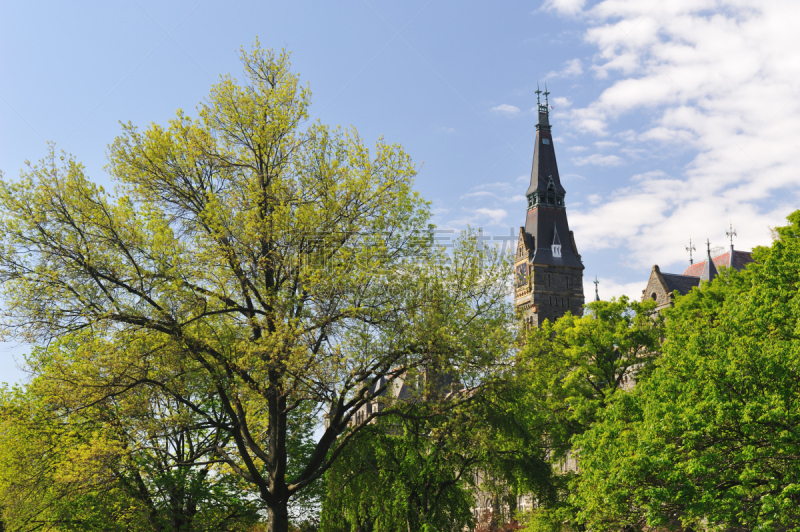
x,y
671,118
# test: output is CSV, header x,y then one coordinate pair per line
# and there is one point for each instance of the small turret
x,y
709,269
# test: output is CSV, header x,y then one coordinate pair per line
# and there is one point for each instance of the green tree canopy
x,y
575,365
712,439
278,265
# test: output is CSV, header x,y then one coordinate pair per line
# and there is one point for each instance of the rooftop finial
x,y
730,234
544,120
596,293
690,248
708,246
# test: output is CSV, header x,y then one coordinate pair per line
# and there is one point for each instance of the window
x,y
654,296
545,141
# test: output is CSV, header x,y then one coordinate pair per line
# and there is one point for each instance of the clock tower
x,y
548,272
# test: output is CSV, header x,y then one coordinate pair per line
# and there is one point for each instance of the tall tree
x,y
138,461
713,438
572,370
575,365
274,261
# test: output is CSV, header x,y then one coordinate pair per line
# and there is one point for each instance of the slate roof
x,y
541,223
544,160
709,269
681,283
740,260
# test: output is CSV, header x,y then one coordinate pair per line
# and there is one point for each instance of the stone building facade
x,y
661,287
548,271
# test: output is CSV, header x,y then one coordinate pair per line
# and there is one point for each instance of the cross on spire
x,y
690,248
730,234
538,92
546,94
596,293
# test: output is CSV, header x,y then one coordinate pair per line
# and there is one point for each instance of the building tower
x,y
547,268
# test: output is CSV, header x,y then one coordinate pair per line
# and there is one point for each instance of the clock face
x,y
522,275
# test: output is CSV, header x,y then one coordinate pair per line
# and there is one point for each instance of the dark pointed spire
x,y
545,188
709,269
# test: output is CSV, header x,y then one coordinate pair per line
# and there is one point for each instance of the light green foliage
x,y
408,473
425,470
134,461
712,439
251,267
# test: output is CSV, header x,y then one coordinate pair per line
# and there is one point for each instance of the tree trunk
x,y
278,518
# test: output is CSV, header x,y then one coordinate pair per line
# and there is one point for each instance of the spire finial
x,y
730,234
546,94
596,293
708,246
538,92
690,248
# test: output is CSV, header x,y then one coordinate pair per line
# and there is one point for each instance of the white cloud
x,y
606,144
608,288
572,68
493,216
564,7
665,134
561,102
718,79
599,160
506,109
478,194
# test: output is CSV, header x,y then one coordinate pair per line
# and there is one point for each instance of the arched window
x,y
654,296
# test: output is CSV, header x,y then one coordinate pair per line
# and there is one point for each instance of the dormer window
x,y
556,247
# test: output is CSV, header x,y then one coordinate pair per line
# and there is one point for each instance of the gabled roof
x,y
525,244
682,283
739,261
